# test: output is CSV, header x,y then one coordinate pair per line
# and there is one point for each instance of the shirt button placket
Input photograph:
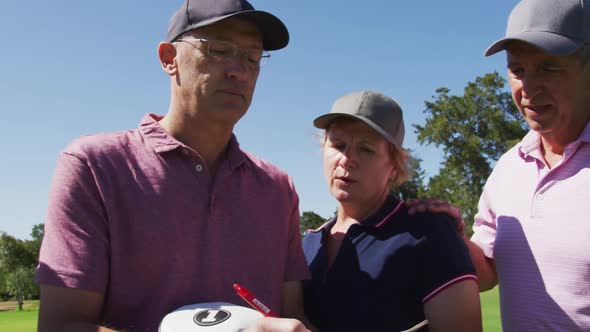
x,y
536,211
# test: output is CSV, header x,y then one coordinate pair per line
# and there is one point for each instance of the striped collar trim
x,y
380,224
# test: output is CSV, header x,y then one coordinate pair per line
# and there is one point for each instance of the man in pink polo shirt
x,y
532,230
144,221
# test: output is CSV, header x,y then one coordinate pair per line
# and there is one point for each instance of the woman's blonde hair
x,y
402,162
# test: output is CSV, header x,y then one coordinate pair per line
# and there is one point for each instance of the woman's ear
x,y
167,55
392,176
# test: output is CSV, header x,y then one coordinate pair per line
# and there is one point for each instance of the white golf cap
x,y
209,317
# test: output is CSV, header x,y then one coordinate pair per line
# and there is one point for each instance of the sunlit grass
x,y
12,320
490,310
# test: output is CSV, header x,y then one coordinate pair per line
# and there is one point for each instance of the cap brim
x,y
324,121
551,43
274,32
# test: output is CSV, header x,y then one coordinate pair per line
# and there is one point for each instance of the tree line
x,y
473,130
18,260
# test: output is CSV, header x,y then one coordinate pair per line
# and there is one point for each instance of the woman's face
x,y
357,162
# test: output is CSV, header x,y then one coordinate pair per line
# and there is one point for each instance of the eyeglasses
x,y
221,49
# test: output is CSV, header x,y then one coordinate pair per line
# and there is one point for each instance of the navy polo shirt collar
x,y
377,220
384,214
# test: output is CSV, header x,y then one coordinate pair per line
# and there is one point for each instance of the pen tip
x,y
237,287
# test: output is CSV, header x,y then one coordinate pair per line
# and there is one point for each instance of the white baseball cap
x,y
209,317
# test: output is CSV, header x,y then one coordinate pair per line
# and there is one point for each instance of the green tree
x,y
34,245
15,253
474,130
20,283
18,260
4,293
310,220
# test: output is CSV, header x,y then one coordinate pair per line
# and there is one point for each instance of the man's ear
x,y
167,54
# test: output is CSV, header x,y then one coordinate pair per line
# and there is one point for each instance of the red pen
x,y
253,301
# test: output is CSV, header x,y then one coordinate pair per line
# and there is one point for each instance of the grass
x,y
12,320
490,310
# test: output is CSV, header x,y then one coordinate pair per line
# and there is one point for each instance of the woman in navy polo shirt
x,y
374,267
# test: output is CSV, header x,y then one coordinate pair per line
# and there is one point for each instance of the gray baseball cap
x,y
558,27
199,13
377,110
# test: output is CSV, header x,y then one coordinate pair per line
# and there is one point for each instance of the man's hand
x,y
485,266
437,206
269,324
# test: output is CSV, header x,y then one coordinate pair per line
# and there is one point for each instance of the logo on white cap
x,y
211,317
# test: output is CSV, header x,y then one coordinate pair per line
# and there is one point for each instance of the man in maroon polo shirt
x,y
144,221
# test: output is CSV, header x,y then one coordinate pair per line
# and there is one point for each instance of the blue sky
x,y
71,68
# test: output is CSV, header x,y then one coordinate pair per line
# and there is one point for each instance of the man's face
x,y
551,92
218,88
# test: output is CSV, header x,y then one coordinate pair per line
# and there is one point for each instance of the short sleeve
x,y
484,225
445,258
74,251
